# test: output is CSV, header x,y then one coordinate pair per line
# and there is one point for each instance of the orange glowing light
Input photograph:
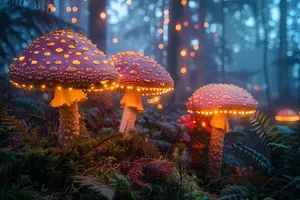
x,y
287,119
178,27
183,2
206,24
75,8
102,15
53,9
183,53
166,12
185,23
166,21
160,46
50,5
74,20
115,40
160,30
196,47
159,106
203,124
68,9
196,26
183,70
192,54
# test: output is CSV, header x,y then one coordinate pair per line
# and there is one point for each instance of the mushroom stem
x,y
67,101
69,127
132,102
219,125
128,120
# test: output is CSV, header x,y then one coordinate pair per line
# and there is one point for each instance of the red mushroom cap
x,y
142,72
62,59
221,98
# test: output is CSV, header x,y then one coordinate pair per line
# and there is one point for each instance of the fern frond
x,y
10,125
253,158
265,133
96,185
234,192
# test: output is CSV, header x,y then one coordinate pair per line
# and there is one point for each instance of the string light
x,y
183,70
178,27
102,15
115,40
183,53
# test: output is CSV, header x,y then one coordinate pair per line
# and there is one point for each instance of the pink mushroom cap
x,y
221,98
62,59
142,73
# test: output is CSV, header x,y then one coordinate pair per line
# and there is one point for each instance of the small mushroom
x,y
220,100
134,82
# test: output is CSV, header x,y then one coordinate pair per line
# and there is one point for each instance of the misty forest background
x,y
251,43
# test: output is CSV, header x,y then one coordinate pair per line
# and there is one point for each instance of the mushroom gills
x,y
66,97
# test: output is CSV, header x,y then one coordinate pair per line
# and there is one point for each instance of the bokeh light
x,y
192,54
160,30
183,70
178,27
186,23
206,24
102,15
159,106
115,40
75,8
74,20
196,47
166,12
160,46
68,9
183,53
183,2
128,2
166,21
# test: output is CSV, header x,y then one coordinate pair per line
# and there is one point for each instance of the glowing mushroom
x,y
287,115
139,75
67,63
220,100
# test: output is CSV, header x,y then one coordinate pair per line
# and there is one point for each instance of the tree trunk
x,y
283,78
265,13
97,25
175,13
223,42
200,70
